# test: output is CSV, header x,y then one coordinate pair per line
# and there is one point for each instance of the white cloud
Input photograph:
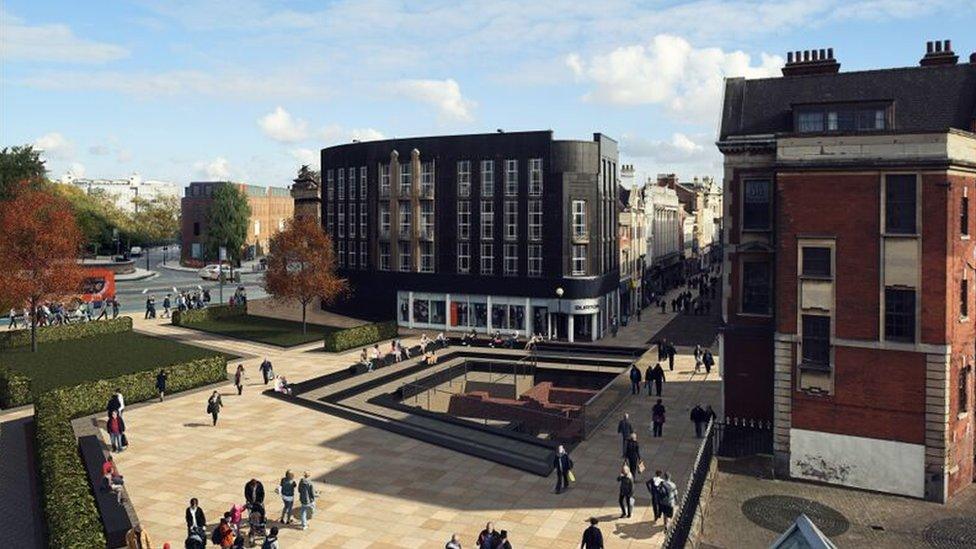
x,y
687,155
335,133
668,71
365,134
220,84
444,95
51,43
307,156
280,125
55,146
77,170
217,169
99,150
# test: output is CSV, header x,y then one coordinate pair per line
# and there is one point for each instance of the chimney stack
x,y
939,52
811,62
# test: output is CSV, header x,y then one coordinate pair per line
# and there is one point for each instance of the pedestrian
x,y
214,404
267,371
710,414
137,538
614,326
454,543
625,429
564,466
271,541
239,379
195,519
487,537
657,418
652,488
148,307
115,307
708,360
660,349
254,493
286,489
635,379
89,311
626,498
699,418
306,495
698,358
671,352
224,535
657,374
115,429
668,494
638,314
161,384
632,455
592,536
104,313
502,542
119,400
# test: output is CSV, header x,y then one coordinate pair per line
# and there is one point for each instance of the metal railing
x,y
684,516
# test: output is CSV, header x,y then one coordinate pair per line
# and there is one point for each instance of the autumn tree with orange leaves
x,y
38,251
301,266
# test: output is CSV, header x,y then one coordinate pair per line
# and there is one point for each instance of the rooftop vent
x,y
811,62
939,53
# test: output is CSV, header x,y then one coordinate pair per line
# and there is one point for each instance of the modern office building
x,y
125,192
849,258
502,231
271,207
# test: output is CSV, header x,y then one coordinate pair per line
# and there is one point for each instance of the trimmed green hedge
x,y
360,336
70,512
64,332
214,312
14,388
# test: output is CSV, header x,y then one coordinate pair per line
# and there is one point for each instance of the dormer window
x,y
848,118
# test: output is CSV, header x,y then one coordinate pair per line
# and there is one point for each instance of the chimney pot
x,y
806,55
830,53
948,46
823,54
929,47
972,58
789,57
938,46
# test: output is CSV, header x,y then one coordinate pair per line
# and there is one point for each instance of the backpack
x,y
662,492
215,536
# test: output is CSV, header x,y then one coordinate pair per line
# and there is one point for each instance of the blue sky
x,y
249,90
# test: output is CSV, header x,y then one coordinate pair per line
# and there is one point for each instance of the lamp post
x,y
559,306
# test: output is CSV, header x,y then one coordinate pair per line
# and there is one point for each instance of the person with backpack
x,y
652,487
286,489
626,499
657,419
564,466
214,404
668,494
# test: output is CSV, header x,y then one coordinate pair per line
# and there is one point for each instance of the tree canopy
x,y
230,214
20,164
301,266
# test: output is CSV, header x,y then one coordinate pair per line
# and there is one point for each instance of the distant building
x,y
848,308
664,261
633,243
701,200
123,192
500,231
271,207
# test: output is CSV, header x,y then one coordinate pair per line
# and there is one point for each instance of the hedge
x,y
14,388
214,312
64,332
70,513
360,336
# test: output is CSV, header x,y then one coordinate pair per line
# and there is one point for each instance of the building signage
x,y
585,307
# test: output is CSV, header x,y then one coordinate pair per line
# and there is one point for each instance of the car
x,y
136,251
212,272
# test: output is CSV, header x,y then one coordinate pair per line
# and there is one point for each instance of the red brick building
x,y
850,266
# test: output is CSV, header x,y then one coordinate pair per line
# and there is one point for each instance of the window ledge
x,y
766,230
962,415
901,235
825,278
963,319
813,366
964,237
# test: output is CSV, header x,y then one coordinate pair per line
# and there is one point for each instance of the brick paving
x,y
875,520
379,489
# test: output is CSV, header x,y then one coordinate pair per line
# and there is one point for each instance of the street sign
x,y
223,253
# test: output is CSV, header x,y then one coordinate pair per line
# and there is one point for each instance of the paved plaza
x,y
379,489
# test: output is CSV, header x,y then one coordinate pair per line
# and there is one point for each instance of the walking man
x,y
635,379
708,361
699,418
652,488
267,371
657,419
239,379
671,352
214,404
306,495
698,358
625,429
166,305
657,375
161,384
592,536
115,308
563,465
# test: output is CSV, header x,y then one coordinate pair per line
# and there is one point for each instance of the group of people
x,y
252,515
56,313
653,377
239,297
663,492
703,358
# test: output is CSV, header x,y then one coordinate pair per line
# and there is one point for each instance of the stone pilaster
x,y
783,362
936,426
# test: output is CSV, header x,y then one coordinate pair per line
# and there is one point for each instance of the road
x,y
132,295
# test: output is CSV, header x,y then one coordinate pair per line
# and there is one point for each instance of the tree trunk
x,y
304,304
33,326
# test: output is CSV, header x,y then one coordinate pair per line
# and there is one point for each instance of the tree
x,y
156,221
230,214
301,266
38,251
96,215
17,165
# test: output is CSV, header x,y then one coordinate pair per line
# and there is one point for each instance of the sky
x,y
249,90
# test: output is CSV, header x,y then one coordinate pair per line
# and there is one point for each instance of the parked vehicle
x,y
212,272
136,251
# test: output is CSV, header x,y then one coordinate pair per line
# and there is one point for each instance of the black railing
x,y
733,438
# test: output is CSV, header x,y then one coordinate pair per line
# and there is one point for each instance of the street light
x,y
559,307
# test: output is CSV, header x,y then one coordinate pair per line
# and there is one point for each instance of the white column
x,y
488,320
447,312
410,309
529,318
592,320
569,327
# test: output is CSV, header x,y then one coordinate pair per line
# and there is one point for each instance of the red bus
x,y
97,286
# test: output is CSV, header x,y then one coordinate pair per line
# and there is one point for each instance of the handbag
x,y
571,476
640,466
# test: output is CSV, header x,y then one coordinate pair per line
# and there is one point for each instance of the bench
x,y
115,518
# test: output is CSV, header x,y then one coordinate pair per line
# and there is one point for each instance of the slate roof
x,y
933,98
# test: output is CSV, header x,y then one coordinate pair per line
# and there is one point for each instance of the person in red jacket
x,y
115,430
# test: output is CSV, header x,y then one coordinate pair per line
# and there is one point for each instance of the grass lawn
x,y
62,363
272,331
